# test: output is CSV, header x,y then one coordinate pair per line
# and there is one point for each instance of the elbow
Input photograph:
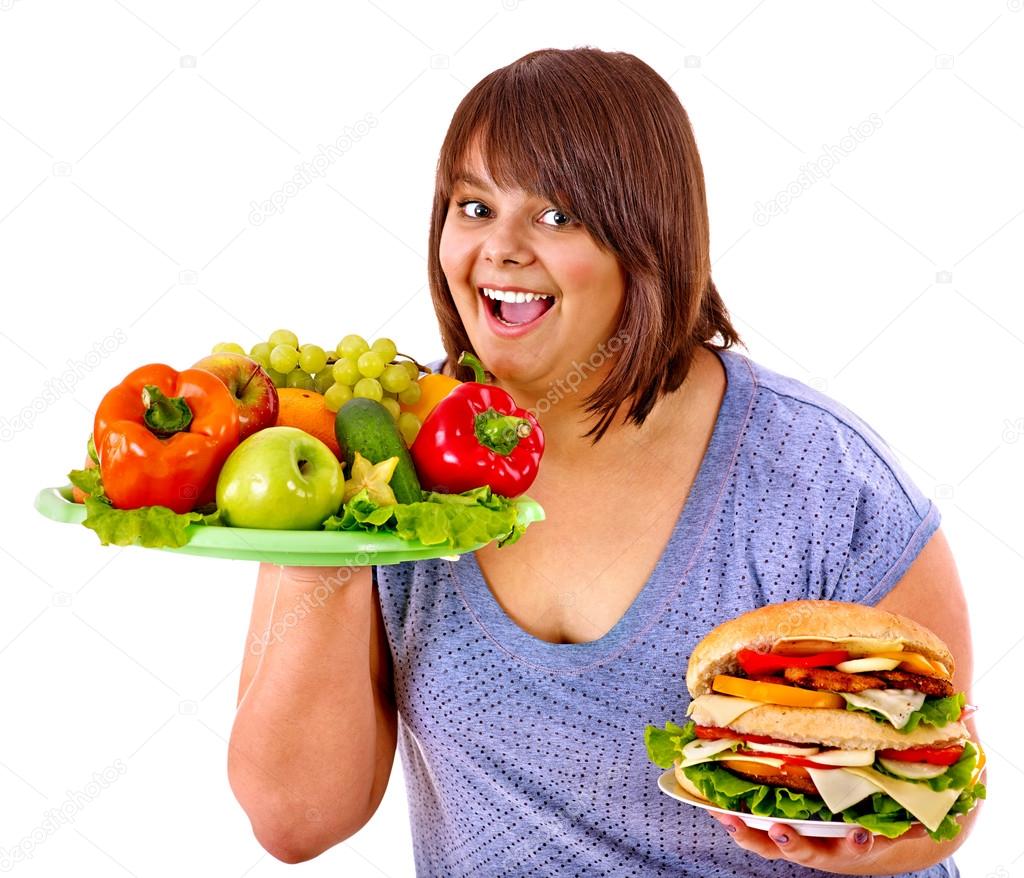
x,y
293,826
294,845
282,849
290,830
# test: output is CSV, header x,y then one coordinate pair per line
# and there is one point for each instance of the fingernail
x,y
861,836
730,827
781,839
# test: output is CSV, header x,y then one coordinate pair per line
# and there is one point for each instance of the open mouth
x,y
516,308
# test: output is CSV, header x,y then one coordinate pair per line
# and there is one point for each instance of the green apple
x,y
280,478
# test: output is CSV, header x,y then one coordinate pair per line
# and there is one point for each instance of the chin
x,y
507,361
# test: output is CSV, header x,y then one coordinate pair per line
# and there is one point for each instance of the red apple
x,y
251,386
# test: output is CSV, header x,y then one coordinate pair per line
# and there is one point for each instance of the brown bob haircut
x,y
605,138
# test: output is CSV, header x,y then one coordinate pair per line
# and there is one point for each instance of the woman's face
x,y
496,238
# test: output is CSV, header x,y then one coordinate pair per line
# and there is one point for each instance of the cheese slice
x,y
721,709
895,705
856,646
845,757
839,788
739,757
926,804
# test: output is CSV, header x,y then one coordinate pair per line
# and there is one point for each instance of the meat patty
x,y
832,681
918,682
793,777
767,678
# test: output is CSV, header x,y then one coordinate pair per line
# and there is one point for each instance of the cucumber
x,y
364,425
912,770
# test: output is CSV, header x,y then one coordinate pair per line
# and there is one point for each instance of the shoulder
x,y
808,434
438,365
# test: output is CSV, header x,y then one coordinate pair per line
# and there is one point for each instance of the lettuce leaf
x,y
88,480
727,790
936,712
149,526
882,814
665,745
456,521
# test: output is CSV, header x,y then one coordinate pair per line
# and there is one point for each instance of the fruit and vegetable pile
x,y
290,437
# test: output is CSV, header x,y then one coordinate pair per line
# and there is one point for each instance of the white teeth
x,y
508,296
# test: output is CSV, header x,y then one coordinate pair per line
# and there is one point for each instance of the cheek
x,y
454,253
594,275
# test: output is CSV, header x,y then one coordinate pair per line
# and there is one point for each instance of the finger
x,y
799,848
880,844
859,841
753,840
916,831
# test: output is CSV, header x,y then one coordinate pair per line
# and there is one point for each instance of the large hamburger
x,y
821,710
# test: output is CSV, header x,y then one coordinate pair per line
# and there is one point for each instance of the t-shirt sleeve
x,y
892,522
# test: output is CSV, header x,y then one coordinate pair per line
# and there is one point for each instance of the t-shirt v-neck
x,y
682,547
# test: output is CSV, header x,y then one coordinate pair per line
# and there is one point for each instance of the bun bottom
x,y
688,786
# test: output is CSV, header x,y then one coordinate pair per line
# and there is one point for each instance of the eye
x,y
478,210
559,218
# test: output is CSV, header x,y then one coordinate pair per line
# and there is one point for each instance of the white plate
x,y
810,828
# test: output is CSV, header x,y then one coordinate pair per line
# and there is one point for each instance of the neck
x,y
560,411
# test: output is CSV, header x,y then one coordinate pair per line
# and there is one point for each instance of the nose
x,y
506,243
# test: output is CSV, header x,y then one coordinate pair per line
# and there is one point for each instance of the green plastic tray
x,y
298,547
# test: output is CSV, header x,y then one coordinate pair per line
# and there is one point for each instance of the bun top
x,y
762,628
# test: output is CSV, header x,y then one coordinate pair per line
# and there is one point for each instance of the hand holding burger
x,y
820,710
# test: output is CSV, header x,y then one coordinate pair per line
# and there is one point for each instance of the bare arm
x,y
314,736
931,593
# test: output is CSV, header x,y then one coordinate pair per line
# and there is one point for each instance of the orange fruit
x,y
307,410
77,494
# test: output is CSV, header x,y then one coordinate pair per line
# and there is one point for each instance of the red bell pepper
x,y
478,436
162,437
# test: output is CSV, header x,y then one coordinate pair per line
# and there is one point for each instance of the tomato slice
x,y
712,733
767,771
754,662
934,755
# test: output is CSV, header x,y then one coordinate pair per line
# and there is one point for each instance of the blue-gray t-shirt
x,y
526,758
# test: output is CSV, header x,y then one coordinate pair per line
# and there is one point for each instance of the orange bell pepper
x,y
162,437
433,388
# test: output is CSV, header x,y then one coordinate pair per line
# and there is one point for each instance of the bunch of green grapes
x,y
353,368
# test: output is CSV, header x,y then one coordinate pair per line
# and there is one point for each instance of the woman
x,y
683,484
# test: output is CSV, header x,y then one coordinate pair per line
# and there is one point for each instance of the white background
x,y
135,137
